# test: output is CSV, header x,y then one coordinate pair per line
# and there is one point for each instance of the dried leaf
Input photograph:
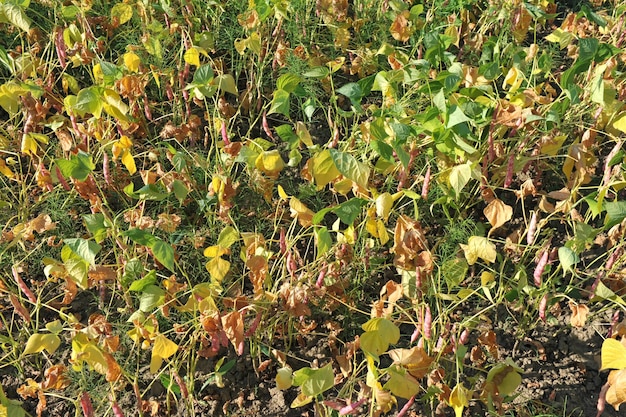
x,y
579,314
498,213
233,326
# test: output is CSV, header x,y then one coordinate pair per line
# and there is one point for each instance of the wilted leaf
x,y
233,326
498,213
616,394
459,399
415,360
400,29
479,247
579,314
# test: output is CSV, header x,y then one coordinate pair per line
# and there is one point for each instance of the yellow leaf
x,y
241,45
98,75
192,56
5,170
324,169
620,123
382,232
218,268
384,203
29,145
215,251
498,213
284,378
163,348
122,11
281,193
131,61
38,342
479,247
613,355
486,278
401,383
561,37
270,163
513,78
301,212
459,399
129,162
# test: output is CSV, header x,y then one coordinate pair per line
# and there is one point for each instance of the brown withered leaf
x,y
616,394
233,326
391,292
579,314
168,222
415,360
55,378
400,28
488,340
113,370
101,273
498,213
409,240
258,267
19,308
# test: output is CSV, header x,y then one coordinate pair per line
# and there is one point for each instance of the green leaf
x,y
203,75
151,297
164,253
86,249
79,166
568,258
459,177
12,408
313,382
288,82
280,103
88,100
226,82
323,241
140,237
227,237
615,213
350,168
349,210
456,116
317,72
14,14
96,225
454,272
141,284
